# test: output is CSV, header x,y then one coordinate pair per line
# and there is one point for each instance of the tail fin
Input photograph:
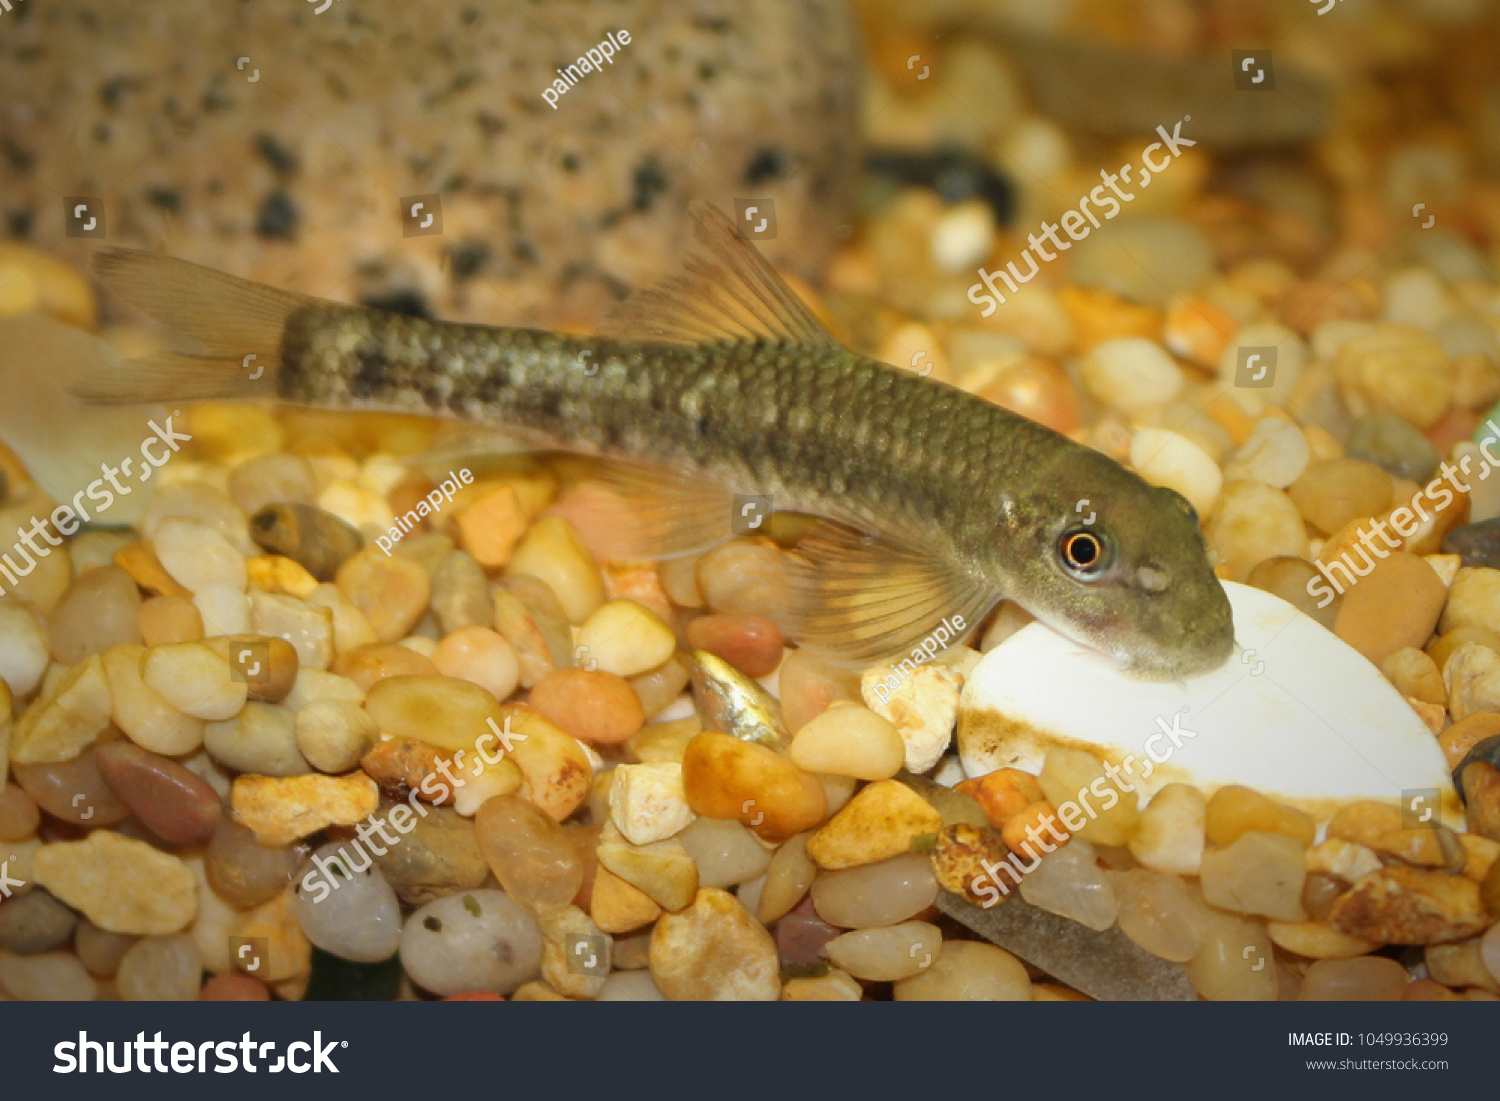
x,y
239,324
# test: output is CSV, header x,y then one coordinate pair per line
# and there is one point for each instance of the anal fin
x,y
631,511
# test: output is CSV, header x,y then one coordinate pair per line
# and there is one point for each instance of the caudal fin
x,y
238,323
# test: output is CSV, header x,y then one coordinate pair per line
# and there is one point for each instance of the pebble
x,y
195,680
1472,676
1235,809
1196,330
1259,873
558,773
1067,775
751,643
160,969
968,971
275,573
461,594
1477,544
662,870
175,804
714,951
99,950
368,665
69,717
1276,453
746,576
68,790
391,591
629,986
552,552
1158,913
1235,961
849,740
196,555
1397,369
351,628
564,932
1130,373
1254,522
724,777
316,540
1391,443
98,610
272,683
809,685
244,872
618,907
478,940
662,686
332,735
139,560
646,802
121,885
1449,642
439,854
1462,965
1317,940
489,527
1003,793
923,708
1168,459
1463,735
234,988
1069,882
261,739
18,814
23,649
1473,600
530,854
1415,675
34,922
1036,388
624,638
1395,607
1363,979
308,627
223,609
442,711
886,955
725,852
348,909
1399,905
875,894
285,809
276,479
884,820
49,977
594,706
166,619
788,876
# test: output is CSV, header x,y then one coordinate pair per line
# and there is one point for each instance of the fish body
x,y
935,501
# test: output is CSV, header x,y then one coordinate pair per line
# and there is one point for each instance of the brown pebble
x,y
1397,605
366,666
801,935
98,610
401,766
751,643
234,988
243,652
318,541
177,805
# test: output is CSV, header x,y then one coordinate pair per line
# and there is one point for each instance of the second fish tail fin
x,y
239,325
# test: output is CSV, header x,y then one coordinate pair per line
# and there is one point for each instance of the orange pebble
x,y
1465,734
475,996
490,527
234,988
1040,819
1003,793
139,560
751,643
592,706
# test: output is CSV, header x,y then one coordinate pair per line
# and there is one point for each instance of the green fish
x,y
717,384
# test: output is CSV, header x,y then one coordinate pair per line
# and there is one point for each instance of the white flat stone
x,y
1297,715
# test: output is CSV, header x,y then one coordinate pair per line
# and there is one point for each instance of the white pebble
x,y
346,907
1131,372
224,609
1164,458
196,555
1275,453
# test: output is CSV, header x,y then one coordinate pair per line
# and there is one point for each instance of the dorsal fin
x,y
723,290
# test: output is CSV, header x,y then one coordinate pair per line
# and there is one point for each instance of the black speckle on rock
x,y
20,160
278,217
281,159
647,182
432,924
706,71
19,223
165,198
490,124
712,23
215,100
468,258
766,165
525,253
113,90
101,133
570,162
402,300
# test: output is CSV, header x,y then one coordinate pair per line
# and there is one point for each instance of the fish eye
x,y
1082,553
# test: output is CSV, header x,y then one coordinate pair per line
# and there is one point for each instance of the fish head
x,y
1122,567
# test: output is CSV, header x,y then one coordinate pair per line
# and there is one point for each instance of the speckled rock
x,y
601,207
121,885
714,951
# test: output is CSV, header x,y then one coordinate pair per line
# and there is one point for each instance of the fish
x,y
718,387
